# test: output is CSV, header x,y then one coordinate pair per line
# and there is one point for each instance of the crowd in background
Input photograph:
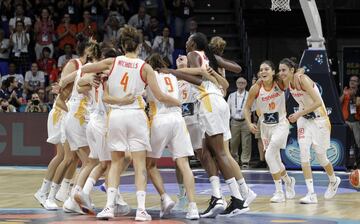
x,y
38,37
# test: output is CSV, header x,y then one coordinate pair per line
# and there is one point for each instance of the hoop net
x,y
280,5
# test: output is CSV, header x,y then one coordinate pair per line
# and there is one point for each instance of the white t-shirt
x,y
18,77
34,81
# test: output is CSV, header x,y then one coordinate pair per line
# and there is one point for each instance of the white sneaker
x,y
249,197
278,197
142,215
193,212
181,204
166,205
332,188
106,213
121,207
70,206
290,189
62,194
84,203
310,198
40,197
50,205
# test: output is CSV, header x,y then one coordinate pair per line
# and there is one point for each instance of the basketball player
x,y
95,134
313,126
270,105
67,167
128,124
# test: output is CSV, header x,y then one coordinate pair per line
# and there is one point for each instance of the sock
x,y
89,184
53,190
140,196
286,179
278,185
182,190
192,205
332,178
111,196
45,186
65,185
75,190
243,186
310,185
164,196
234,188
215,185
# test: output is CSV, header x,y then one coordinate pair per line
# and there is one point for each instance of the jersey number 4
x,y
169,84
124,81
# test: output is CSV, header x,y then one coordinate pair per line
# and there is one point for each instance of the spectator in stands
x,y
350,104
112,27
154,28
12,92
68,54
44,32
183,11
12,73
35,105
66,32
145,49
164,45
6,107
46,64
4,53
120,6
6,10
34,80
19,41
192,29
19,16
87,26
72,7
97,10
140,20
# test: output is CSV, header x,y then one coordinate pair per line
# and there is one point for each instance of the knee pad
x,y
322,159
304,154
272,161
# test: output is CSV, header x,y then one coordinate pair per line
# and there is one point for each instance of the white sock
x,y
278,185
332,178
215,185
192,205
45,186
75,190
140,196
182,190
286,179
243,186
310,185
53,190
65,185
234,188
111,196
89,184
164,196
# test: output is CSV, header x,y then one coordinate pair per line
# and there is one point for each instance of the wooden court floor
x,y
17,187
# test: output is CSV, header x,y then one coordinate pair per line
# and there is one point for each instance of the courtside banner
x,y
23,140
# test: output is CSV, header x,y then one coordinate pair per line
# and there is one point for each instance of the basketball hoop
x,y
280,5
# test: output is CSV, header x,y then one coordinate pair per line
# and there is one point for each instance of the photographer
x,y
35,105
6,107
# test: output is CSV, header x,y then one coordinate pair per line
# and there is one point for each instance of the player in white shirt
x,y
313,126
168,128
65,170
128,124
270,107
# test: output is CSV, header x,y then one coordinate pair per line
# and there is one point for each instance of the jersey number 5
x,y
169,84
124,81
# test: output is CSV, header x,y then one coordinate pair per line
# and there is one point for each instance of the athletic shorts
x,y
214,116
314,132
54,126
170,130
275,134
128,130
95,135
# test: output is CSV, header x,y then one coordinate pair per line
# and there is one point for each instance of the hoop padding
x,y
280,5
